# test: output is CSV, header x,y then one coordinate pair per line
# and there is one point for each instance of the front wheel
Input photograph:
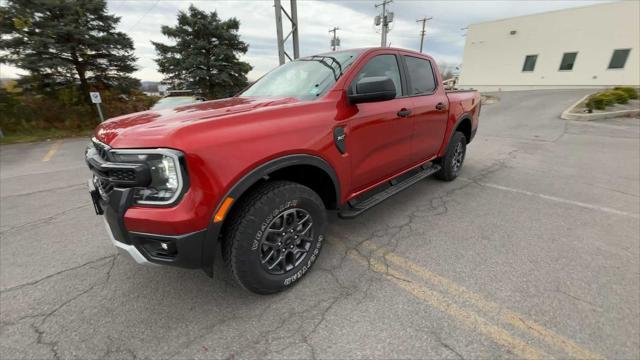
x,y
453,158
275,236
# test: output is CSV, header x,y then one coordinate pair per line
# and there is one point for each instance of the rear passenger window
x,y
381,65
420,75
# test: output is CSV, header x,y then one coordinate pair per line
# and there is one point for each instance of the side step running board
x,y
356,208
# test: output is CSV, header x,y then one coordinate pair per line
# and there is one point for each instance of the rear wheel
x,y
451,162
275,236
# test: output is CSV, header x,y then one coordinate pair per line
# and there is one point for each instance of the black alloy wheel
x,y
273,236
452,161
286,241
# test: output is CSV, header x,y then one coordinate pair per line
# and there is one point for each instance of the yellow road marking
x,y
549,336
513,318
468,318
52,151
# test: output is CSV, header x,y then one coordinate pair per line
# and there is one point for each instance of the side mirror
x,y
371,89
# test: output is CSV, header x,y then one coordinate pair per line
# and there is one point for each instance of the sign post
x,y
95,98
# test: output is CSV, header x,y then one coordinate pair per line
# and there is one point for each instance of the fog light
x,y
164,246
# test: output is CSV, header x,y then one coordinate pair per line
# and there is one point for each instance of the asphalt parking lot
x,y
533,252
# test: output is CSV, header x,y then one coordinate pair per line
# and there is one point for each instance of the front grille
x,y
102,149
123,175
109,174
102,182
104,186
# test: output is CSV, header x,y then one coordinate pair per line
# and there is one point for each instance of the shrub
x,y
601,100
22,113
609,98
620,97
596,102
631,92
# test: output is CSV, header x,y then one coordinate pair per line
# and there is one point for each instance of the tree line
x,y
70,47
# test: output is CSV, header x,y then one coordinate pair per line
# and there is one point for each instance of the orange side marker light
x,y
224,208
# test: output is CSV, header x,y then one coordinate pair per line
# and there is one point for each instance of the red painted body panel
x,y
225,140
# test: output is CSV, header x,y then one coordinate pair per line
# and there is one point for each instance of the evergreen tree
x,y
65,41
205,55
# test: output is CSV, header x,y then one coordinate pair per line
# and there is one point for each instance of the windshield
x,y
171,102
306,78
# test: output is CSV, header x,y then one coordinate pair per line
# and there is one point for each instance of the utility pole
x,y
423,32
384,19
293,18
335,42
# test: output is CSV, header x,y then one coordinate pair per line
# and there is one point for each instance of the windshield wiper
x,y
322,59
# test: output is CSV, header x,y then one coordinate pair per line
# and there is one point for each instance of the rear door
x,y
430,106
380,140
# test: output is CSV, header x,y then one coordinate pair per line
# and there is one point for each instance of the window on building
x,y
619,58
529,62
420,75
568,59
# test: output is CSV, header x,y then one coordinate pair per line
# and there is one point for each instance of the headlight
x,y
166,174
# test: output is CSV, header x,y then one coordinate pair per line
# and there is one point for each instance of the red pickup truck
x,y
253,175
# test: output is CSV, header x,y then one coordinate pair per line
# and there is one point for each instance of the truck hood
x,y
154,125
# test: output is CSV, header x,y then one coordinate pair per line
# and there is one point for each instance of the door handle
x,y
404,112
441,106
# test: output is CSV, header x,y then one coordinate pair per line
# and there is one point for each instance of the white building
x,y
588,47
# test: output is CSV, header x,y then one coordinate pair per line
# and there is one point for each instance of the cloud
x,y
142,19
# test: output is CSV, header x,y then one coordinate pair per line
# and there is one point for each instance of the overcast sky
x,y
141,19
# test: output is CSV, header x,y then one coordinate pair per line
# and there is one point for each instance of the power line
x,y
143,15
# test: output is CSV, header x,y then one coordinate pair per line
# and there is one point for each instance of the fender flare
x,y
269,167
464,116
249,179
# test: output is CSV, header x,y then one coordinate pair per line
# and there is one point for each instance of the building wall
x,y
493,58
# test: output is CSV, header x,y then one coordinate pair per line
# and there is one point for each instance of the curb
x,y
568,115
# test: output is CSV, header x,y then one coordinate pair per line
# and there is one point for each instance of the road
x,y
533,252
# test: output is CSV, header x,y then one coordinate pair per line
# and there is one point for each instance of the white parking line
x,y
560,200
608,126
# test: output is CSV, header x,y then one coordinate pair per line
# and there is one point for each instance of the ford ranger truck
x,y
253,176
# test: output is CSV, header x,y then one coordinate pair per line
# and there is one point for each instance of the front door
x,y
380,139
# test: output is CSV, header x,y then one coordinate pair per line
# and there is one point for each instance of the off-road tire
x,y
248,222
452,161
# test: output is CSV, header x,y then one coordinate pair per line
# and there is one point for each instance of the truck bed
x,y
466,98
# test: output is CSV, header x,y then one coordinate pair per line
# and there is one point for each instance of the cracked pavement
x,y
533,252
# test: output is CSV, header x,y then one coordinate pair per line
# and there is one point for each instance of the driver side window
x,y
381,65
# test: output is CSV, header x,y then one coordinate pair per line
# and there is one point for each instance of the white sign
x,y
95,97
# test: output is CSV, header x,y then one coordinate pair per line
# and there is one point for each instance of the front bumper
x,y
190,250
129,249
